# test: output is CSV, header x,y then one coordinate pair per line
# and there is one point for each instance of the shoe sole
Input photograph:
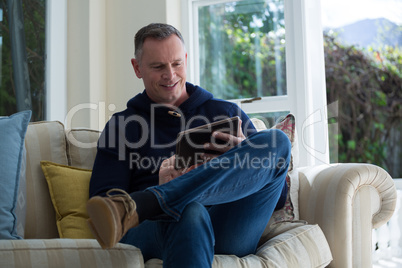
x,y
95,234
102,222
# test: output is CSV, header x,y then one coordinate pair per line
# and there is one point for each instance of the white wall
x,y
100,34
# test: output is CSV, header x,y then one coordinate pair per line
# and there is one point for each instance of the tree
x,y
368,88
242,46
240,59
34,25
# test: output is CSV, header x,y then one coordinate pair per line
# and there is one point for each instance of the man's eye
x,y
157,67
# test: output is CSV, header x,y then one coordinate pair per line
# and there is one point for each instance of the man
x,y
184,217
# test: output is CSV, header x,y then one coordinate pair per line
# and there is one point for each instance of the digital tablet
x,y
190,143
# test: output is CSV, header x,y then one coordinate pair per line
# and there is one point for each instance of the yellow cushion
x,y
69,191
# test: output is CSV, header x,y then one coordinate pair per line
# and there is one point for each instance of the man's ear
x,y
136,67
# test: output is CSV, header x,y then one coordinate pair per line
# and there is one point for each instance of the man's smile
x,y
171,85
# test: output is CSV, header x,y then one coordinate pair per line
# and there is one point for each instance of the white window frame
x,y
56,60
305,74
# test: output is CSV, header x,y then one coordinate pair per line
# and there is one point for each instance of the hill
x,y
370,32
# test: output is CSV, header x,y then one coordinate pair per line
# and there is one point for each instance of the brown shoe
x,y
111,217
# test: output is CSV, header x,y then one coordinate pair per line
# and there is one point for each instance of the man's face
x,y
163,69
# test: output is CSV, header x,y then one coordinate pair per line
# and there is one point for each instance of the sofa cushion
x,y
81,147
43,141
48,253
69,191
290,210
21,207
288,125
12,133
278,228
303,246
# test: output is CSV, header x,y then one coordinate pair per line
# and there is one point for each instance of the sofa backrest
x,y
43,141
81,147
47,141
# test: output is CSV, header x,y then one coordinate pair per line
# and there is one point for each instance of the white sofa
x,y
341,203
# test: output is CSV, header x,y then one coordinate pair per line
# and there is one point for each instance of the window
x,y
363,52
56,60
45,30
249,35
266,56
241,44
23,56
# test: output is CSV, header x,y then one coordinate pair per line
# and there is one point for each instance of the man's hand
x,y
168,172
229,142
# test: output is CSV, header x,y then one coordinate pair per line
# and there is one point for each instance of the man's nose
x,y
168,73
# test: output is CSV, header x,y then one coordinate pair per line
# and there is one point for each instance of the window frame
x,y
56,60
305,74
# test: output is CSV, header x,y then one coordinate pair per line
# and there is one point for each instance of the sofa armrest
x,y
347,201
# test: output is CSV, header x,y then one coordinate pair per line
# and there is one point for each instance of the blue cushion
x,y
12,136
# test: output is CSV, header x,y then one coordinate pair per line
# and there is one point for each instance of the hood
x,y
198,96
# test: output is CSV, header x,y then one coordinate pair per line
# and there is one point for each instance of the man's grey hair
x,y
157,31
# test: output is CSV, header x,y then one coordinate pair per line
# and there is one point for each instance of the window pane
x,y
242,49
34,27
363,52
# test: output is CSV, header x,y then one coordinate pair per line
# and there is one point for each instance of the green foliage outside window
x,y
239,59
242,49
34,25
368,87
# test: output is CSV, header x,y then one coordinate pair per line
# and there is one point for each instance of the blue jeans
x,y
221,207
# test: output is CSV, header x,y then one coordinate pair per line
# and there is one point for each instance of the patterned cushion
x,y
288,125
48,253
290,210
21,208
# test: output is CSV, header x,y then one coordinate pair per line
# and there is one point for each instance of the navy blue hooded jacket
x,y
136,141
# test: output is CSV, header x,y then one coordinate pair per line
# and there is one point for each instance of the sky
x,y
336,13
